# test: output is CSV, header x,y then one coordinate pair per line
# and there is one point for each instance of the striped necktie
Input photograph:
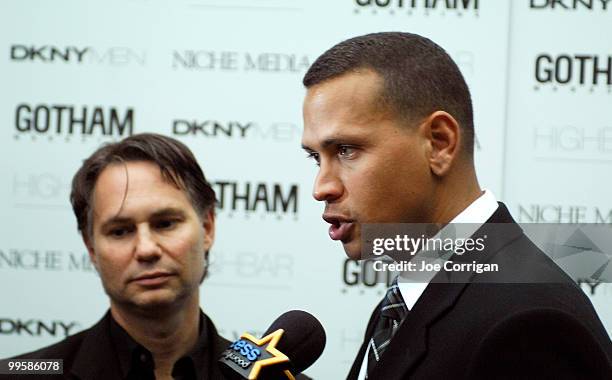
x,y
392,311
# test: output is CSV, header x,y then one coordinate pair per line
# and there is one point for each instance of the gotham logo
x,y
408,6
273,198
570,5
573,70
361,275
70,120
555,213
233,61
37,327
113,56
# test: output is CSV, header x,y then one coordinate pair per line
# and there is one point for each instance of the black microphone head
x,y
303,340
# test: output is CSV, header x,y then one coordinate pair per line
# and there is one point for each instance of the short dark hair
x,y
419,76
176,162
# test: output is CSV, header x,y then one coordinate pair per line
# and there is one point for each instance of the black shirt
x,y
136,362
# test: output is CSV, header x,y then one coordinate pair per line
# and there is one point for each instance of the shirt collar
x,y
133,356
477,213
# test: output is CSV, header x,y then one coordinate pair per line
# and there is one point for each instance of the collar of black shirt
x,y
136,362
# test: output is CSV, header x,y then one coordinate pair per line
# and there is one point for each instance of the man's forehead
x,y
348,106
356,87
133,183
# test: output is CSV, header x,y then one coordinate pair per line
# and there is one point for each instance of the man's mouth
x,y
152,278
340,227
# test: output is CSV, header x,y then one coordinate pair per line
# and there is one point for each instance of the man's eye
x,y
118,232
313,156
346,151
165,224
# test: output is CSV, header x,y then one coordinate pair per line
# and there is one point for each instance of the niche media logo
x,y
48,260
563,213
234,61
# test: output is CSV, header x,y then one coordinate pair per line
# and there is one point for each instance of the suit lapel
x,y
95,360
409,345
354,372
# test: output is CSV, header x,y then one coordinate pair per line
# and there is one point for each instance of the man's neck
x,y
453,198
168,336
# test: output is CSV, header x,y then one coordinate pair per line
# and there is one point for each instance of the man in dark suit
x,y
388,120
146,214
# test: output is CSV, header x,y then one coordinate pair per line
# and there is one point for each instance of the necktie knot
x,y
393,305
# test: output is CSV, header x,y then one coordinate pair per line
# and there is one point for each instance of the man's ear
x,y
444,135
208,223
88,244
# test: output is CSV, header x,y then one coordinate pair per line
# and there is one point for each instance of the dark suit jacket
x,y
89,355
480,330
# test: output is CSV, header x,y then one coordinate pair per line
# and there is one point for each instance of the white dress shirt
x,y
476,214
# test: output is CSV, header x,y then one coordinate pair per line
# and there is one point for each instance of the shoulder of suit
x,y
521,261
536,336
65,349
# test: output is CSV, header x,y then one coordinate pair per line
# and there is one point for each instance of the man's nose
x,y
327,187
147,248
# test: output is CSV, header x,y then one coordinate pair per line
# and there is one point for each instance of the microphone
x,y
291,344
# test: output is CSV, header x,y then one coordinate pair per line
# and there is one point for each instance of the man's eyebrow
x,y
115,220
168,211
328,142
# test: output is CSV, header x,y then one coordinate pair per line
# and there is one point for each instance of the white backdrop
x,y
224,76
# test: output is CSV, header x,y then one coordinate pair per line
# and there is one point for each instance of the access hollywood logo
x,y
558,213
114,56
417,7
275,131
361,276
257,198
37,327
570,5
71,120
573,72
233,61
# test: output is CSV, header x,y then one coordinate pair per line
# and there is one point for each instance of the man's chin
x,y
352,250
150,303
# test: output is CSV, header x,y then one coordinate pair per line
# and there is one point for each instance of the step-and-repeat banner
x,y
224,77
